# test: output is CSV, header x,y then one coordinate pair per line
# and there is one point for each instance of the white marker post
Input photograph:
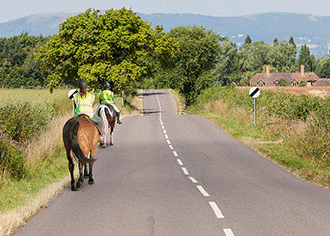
x,y
255,92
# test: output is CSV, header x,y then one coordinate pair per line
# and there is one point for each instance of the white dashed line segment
x,y
200,188
185,171
171,146
168,141
228,232
175,154
193,180
216,210
180,162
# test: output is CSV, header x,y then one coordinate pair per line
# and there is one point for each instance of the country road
x,y
171,174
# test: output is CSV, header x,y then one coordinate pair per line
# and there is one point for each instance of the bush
x,y
11,157
22,120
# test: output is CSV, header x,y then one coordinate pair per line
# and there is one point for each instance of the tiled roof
x,y
270,78
322,82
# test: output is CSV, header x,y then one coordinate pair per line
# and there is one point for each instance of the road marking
x,y
164,131
228,232
180,162
192,179
163,127
175,154
200,188
168,141
185,171
216,210
171,146
166,136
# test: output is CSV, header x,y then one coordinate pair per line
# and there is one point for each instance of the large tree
x,y
104,47
194,61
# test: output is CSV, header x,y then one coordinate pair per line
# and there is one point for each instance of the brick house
x,y
272,79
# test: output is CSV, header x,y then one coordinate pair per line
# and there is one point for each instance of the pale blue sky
x,y
13,9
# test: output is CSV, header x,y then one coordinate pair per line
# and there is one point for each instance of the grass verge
x,y
289,143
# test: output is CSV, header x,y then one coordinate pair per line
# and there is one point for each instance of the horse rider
x,y
107,97
84,103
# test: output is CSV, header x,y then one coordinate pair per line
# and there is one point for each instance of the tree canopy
x,y
104,47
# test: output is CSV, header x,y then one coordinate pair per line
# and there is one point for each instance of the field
x,y
33,95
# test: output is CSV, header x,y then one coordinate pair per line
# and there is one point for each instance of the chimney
x,y
302,70
267,70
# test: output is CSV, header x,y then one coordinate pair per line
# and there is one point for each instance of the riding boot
x,y
118,117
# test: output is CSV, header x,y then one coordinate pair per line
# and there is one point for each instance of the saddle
x,y
94,123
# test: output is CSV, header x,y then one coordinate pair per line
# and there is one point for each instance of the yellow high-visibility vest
x,y
107,97
84,105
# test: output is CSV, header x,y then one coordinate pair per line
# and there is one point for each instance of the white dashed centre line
x,y
216,210
163,127
168,141
193,180
166,136
200,188
180,162
175,154
228,232
185,171
164,131
171,146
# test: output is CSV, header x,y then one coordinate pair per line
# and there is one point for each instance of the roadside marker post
x,y
255,92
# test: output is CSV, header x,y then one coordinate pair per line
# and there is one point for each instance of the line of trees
x,y
119,47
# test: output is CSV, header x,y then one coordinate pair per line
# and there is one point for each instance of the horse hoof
x,y
111,144
73,188
91,181
104,146
86,176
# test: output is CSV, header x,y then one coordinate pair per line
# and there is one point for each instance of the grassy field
x,y
45,158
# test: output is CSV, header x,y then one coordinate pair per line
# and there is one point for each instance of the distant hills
x,y
305,29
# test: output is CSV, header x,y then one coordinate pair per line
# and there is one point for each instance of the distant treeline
x,y
18,67
204,59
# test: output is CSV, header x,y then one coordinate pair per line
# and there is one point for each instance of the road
x,y
171,174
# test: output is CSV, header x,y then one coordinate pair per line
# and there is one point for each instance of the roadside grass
x,y
284,141
45,160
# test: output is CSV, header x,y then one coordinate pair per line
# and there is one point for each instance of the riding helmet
x,y
82,84
106,85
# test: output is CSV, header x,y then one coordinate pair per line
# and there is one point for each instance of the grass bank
x,y
292,130
44,158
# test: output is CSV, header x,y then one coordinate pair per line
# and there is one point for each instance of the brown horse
x,y
80,137
108,116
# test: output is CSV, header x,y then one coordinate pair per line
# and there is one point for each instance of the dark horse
x,y
108,116
80,137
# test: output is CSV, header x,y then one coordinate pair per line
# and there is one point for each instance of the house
x,y
272,79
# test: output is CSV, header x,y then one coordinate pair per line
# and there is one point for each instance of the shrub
x,y
22,120
11,157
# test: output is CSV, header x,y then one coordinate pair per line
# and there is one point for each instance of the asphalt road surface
x,y
171,174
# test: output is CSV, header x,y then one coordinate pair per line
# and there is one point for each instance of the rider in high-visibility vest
x,y
107,97
84,103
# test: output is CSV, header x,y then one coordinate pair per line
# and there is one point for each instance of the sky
x,y
14,9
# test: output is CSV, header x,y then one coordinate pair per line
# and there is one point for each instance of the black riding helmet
x,y
106,85
82,84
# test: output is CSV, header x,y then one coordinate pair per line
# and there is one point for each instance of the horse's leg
x,y
91,180
81,179
104,140
71,169
111,135
85,172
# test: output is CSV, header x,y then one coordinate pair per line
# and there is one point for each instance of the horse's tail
x,y
76,148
